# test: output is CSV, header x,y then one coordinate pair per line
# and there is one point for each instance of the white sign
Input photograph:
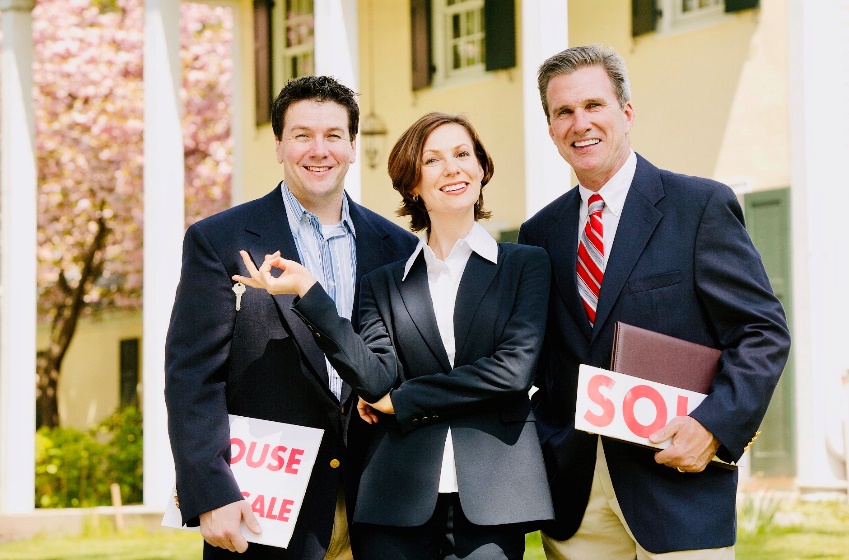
x,y
272,462
628,408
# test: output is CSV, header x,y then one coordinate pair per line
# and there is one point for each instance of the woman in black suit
x,y
447,348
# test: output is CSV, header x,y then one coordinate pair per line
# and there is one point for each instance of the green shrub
x,y
756,511
75,468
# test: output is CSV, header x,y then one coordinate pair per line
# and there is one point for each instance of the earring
x,y
415,198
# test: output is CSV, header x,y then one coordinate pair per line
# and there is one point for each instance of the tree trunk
x,y
63,326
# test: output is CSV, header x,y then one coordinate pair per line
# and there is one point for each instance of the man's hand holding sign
x,y
662,380
272,462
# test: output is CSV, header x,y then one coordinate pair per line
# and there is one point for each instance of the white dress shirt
x,y
613,192
443,278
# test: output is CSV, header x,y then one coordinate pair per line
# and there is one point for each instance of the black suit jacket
x,y
681,264
259,362
499,320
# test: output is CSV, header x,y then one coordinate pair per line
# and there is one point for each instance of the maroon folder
x,y
663,359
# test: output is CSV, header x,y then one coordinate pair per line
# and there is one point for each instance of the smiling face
x,y
587,124
451,174
316,150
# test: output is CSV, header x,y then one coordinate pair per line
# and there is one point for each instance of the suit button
x,y
415,421
434,418
342,409
334,463
426,420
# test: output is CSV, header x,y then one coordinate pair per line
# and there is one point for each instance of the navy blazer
x,y
259,362
499,321
682,264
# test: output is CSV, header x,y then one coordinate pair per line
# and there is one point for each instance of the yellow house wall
x,y
492,103
483,101
89,389
260,170
710,101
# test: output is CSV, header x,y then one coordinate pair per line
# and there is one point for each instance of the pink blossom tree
x,y
89,124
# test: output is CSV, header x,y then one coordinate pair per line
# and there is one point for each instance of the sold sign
x,y
628,408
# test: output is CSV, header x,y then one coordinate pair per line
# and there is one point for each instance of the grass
x,y
794,531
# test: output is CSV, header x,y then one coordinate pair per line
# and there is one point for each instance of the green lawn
x,y
799,531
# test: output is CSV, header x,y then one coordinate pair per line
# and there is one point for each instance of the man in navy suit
x,y
244,352
664,252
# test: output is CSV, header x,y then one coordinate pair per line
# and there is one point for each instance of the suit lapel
x,y
562,247
416,295
639,220
477,277
270,232
372,252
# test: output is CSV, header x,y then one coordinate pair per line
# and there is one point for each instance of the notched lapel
x,y
477,277
269,232
416,295
639,220
562,247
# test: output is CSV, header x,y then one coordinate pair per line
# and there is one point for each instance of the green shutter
x,y
499,18
768,223
643,17
420,34
738,5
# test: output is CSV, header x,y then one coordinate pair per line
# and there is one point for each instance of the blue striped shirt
x,y
329,252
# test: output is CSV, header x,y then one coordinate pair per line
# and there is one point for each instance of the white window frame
x,y
283,56
674,19
442,43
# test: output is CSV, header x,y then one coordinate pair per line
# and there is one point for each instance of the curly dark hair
x,y
405,166
320,88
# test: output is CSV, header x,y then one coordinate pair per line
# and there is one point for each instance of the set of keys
x,y
238,289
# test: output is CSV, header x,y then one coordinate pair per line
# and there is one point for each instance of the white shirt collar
x,y
615,190
478,240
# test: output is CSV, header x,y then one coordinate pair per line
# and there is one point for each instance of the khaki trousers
x,y
605,534
340,542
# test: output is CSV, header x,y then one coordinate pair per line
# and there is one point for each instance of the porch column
x,y
818,69
544,33
17,262
337,54
164,219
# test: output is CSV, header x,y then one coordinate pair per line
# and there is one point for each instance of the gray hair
x,y
574,58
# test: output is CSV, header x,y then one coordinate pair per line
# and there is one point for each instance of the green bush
x,y
75,468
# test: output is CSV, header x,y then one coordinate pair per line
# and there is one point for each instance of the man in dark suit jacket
x,y
672,255
247,354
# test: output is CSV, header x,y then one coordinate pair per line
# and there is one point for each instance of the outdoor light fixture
x,y
372,128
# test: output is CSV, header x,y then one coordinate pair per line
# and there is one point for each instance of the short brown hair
x,y
318,88
575,58
405,166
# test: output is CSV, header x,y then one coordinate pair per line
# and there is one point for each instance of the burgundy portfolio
x,y
664,359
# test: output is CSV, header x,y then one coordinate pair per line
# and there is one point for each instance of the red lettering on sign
x,y
294,461
285,510
607,406
258,507
278,458
240,445
630,400
683,404
256,463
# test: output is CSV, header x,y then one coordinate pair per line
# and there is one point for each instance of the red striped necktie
x,y
591,257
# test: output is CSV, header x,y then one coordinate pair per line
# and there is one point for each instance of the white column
x,y
164,218
544,33
18,265
337,54
819,68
